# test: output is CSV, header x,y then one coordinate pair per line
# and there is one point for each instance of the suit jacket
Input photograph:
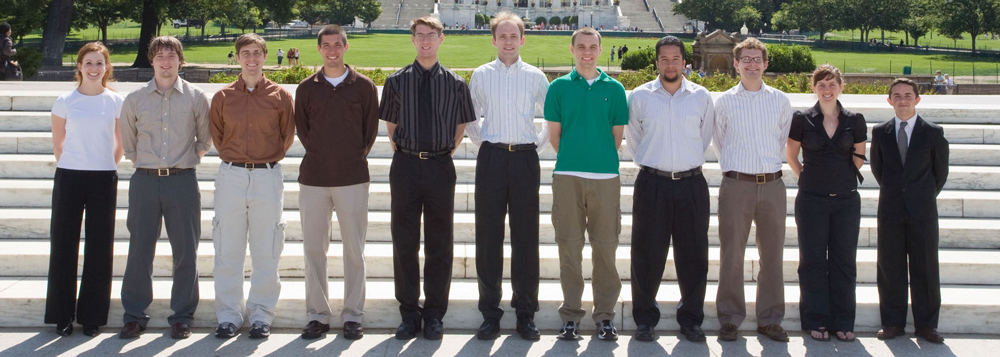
x,y
914,187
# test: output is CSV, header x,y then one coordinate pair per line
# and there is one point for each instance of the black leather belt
x,y
162,172
424,155
250,165
673,175
757,178
513,147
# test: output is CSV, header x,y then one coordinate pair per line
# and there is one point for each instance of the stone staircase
x,y
638,16
969,208
665,10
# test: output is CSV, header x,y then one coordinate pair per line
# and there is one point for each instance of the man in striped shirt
x,y
751,127
506,94
425,107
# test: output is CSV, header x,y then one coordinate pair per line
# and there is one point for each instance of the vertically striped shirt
x,y
451,105
751,129
670,132
506,100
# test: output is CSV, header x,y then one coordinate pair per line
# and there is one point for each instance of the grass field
x,y
129,29
933,39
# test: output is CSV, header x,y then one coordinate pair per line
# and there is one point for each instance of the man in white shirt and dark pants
x,y
751,127
670,127
506,93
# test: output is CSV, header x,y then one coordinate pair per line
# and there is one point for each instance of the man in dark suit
x,y
909,158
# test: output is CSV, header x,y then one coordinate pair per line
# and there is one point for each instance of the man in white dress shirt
x,y
670,126
506,93
752,121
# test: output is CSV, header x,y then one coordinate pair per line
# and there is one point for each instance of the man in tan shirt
x,y
252,123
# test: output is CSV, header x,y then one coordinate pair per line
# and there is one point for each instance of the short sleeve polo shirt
x,y
587,114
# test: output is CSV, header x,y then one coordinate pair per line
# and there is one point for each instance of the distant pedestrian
x,y
231,59
612,53
280,56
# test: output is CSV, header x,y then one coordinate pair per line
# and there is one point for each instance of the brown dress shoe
x,y
890,332
774,332
131,330
729,332
929,334
180,331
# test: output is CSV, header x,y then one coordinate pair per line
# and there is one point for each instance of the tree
x,y
867,15
724,14
817,15
923,17
102,13
241,14
24,16
555,20
57,23
973,16
370,11
540,20
314,12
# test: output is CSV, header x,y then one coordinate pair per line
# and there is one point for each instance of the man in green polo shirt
x,y
586,111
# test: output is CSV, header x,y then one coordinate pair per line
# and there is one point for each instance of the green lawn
x,y
932,39
129,29
867,62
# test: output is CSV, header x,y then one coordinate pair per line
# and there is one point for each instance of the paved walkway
x,y
157,342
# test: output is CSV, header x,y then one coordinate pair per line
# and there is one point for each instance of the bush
x,y
574,20
789,59
555,20
639,59
540,20
376,75
30,59
221,77
291,75
792,83
632,79
566,20
718,82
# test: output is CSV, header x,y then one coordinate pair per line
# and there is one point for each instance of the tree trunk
x,y
147,29
974,42
104,33
54,34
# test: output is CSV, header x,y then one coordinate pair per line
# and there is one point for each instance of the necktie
x,y
424,110
902,142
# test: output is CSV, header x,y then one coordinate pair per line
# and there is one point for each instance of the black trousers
x,y
899,238
507,181
663,208
828,249
74,192
422,186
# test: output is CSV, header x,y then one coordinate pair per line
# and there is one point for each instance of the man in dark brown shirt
x,y
337,119
252,125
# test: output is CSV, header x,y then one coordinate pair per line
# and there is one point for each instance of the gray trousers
x,y
153,201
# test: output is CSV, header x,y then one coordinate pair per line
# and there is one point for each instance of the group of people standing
x,y
166,127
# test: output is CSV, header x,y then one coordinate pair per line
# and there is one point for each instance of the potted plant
x,y
597,2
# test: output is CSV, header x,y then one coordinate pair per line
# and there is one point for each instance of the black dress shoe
x,y
91,330
65,329
226,330
693,333
645,333
489,330
929,334
131,330
433,329
353,330
527,329
180,331
890,332
407,329
314,330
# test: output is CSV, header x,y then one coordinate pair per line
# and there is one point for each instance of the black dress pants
x,y
828,249
422,186
663,208
74,192
907,243
507,182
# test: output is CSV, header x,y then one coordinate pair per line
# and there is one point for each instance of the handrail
x,y
399,9
657,17
644,2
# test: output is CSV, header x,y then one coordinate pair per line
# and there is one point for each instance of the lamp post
x,y
592,19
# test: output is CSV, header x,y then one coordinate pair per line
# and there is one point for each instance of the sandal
x,y
846,338
824,335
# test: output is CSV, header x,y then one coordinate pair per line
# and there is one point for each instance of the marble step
x,y
41,143
38,166
37,193
954,232
30,258
966,309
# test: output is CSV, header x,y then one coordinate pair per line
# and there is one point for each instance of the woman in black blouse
x,y
827,207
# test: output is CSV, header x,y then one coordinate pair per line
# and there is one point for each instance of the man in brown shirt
x,y
252,125
336,114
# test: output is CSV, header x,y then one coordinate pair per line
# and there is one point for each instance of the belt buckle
x,y
421,155
761,178
163,172
674,176
248,165
510,147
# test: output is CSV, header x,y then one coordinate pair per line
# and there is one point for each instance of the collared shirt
x,y
165,129
587,114
252,126
505,100
828,162
451,105
670,132
909,127
337,126
751,129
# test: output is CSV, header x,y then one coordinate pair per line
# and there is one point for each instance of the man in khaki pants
x,y
336,114
752,121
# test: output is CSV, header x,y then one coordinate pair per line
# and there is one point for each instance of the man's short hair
x,y
166,42
585,31
4,27
250,39
906,81
506,16
827,71
749,44
331,30
428,21
671,41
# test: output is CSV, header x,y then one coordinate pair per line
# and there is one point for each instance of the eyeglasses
x,y
748,59
426,36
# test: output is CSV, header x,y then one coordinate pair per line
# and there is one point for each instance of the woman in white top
x,y
87,146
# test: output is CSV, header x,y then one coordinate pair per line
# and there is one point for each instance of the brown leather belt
x,y
674,175
162,172
756,178
513,147
250,165
424,155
